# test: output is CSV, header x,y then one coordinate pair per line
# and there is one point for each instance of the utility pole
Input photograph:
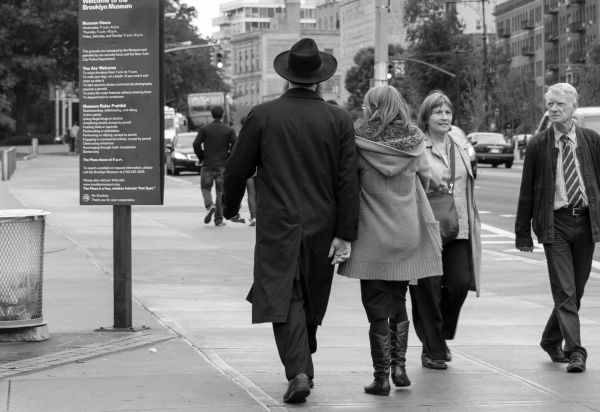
x,y
382,8
485,65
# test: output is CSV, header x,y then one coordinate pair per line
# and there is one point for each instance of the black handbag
x,y
442,204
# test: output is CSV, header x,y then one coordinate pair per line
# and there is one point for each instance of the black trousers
x,y
292,336
437,300
569,260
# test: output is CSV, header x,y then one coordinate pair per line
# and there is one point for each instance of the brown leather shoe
x,y
556,353
576,363
298,389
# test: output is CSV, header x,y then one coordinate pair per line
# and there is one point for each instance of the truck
x,y
175,123
200,104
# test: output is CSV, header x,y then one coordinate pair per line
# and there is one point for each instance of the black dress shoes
x,y
298,389
427,362
576,363
556,353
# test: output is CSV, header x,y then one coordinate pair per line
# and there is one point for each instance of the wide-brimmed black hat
x,y
304,63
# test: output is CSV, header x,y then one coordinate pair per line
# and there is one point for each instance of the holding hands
x,y
340,250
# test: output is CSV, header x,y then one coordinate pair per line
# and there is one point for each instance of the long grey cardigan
x,y
398,236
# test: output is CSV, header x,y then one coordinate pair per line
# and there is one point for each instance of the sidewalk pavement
x,y
195,349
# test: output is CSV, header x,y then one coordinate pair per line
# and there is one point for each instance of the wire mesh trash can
x,y
21,267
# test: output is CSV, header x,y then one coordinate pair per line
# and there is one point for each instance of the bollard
x,y
9,162
21,275
34,145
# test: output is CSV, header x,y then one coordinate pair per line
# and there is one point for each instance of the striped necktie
x,y
570,174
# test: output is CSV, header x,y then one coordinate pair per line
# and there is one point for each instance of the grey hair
x,y
562,88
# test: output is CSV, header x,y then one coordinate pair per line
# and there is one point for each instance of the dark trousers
x,y
292,336
208,176
569,260
437,300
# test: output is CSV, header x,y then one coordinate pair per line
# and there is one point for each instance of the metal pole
x,y
56,113
457,83
381,42
485,65
122,266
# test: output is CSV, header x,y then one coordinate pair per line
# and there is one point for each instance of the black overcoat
x,y
307,193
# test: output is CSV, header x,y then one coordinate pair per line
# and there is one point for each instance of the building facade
x,y
253,32
357,31
547,39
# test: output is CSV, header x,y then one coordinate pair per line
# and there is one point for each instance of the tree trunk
x,y
21,109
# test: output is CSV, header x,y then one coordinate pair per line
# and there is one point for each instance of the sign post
x,y
122,121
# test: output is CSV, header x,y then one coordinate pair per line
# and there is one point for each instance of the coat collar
x,y
302,93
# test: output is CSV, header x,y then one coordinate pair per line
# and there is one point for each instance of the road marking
x,y
508,215
536,248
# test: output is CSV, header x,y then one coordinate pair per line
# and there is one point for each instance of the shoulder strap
x,y
452,166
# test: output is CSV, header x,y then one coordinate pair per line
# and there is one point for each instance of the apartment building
x,y
547,39
253,32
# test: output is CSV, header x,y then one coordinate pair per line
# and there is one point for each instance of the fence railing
x,y
9,162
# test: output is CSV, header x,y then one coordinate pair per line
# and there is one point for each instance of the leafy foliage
x,y
588,78
186,71
38,44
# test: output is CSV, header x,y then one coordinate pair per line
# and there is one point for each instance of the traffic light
x,y
219,59
390,71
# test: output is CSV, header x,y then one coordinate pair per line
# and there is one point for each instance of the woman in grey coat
x,y
398,236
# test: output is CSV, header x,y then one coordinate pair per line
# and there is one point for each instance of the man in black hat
x,y
307,205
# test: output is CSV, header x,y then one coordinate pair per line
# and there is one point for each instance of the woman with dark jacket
x,y
437,301
398,236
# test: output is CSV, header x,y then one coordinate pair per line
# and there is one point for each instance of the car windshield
x,y
488,138
185,141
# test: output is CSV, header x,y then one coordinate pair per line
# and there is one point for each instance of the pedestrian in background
x,y
212,146
559,199
396,242
437,301
74,138
307,211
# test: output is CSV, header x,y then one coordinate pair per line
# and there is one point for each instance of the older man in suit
x,y
307,205
560,199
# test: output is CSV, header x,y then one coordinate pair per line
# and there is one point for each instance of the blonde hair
x,y
433,101
386,104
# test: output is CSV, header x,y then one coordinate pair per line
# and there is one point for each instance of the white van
x,y
588,117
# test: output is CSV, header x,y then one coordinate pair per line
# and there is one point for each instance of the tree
x,y
588,78
38,45
359,77
512,94
186,71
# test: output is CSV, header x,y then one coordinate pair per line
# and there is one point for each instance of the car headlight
x,y
179,156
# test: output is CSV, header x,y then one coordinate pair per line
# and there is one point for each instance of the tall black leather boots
x,y
380,354
399,342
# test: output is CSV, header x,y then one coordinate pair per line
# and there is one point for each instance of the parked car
x,y
493,148
180,154
457,133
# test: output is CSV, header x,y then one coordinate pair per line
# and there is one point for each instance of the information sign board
x,y
121,102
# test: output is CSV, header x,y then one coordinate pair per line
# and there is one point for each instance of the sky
x,y
207,10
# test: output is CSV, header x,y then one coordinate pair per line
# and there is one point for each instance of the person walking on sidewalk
x,y
437,301
307,211
560,200
212,146
397,231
